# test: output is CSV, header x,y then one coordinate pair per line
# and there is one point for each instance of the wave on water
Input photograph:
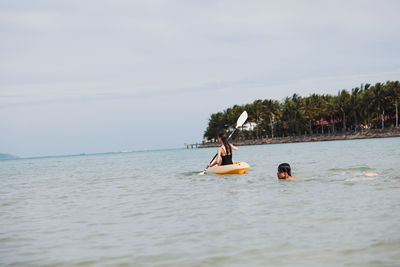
x,y
360,178
97,210
356,168
191,173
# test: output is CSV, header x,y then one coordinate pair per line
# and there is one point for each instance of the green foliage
x,y
363,107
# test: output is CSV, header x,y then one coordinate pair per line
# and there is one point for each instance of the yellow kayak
x,y
238,167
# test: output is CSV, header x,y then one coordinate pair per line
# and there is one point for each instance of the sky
x,y
105,76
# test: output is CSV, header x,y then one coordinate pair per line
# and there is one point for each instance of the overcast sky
x,y
99,76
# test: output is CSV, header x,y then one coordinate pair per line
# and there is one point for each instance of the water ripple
x,y
126,209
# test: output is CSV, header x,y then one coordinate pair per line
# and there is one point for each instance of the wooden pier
x,y
196,145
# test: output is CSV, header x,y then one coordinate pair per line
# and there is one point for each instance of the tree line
x,y
362,108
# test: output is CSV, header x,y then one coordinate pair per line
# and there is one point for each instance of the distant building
x,y
207,140
249,126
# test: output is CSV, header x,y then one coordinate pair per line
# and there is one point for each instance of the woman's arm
x,y
233,147
217,160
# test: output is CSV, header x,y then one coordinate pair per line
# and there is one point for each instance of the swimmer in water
x,y
285,172
370,174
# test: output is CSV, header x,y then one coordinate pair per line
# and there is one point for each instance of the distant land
x,y
311,138
7,157
365,108
11,157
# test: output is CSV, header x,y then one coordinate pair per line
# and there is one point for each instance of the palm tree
x,y
257,109
380,100
393,89
298,113
216,123
366,105
355,104
271,111
342,102
310,109
331,111
321,111
292,115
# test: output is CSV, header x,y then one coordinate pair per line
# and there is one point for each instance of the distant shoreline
x,y
88,154
8,157
312,138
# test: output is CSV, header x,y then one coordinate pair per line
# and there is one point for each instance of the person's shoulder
x,y
294,178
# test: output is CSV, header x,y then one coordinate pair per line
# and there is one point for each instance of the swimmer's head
x,y
284,171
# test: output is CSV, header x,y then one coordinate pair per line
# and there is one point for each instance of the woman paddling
x,y
224,156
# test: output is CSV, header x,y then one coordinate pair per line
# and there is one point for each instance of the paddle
x,y
241,120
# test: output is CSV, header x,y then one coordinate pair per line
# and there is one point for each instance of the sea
x,y
153,208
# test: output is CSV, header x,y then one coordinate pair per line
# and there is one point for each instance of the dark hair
x,y
227,146
285,167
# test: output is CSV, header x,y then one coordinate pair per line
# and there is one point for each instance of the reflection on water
x,y
129,209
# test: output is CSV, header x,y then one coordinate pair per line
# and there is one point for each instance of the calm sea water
x,y
153,209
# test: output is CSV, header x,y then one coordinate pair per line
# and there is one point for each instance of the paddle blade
x,y
242,119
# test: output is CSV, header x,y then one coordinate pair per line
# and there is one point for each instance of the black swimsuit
x,y
227,159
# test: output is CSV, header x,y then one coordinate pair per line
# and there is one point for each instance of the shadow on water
x,y
200,173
